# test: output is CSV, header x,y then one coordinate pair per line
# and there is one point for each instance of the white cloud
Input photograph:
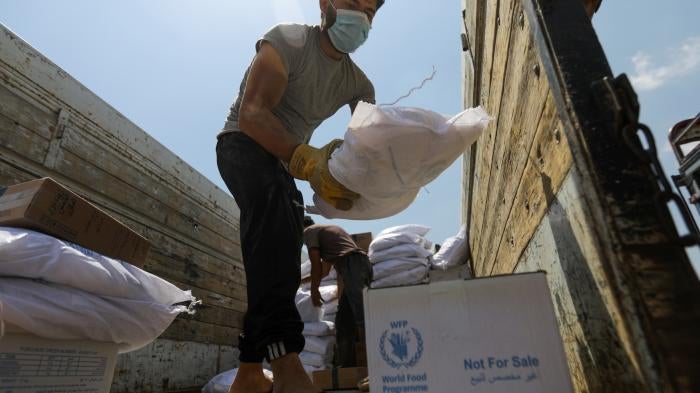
x,y
679,62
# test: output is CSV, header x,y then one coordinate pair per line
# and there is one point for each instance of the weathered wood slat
x,y
527,112
189,330
493,81
176,208
171,367
106,183
187,272
31,117
16,137
514,94
549,160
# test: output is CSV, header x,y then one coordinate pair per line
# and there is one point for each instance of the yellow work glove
x,y
311,164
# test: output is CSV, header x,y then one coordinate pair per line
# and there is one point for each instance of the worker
x,y
300,76
331,244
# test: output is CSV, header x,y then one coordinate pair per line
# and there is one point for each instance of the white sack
x,y
329,317
222,382
405,250
320,345
395,239
305,269
389,153
320,329
60,312
420,230
453,252
306,308
313,359
330,307
29,254
395,266
414,276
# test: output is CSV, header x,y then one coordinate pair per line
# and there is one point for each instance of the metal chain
x,y
631,131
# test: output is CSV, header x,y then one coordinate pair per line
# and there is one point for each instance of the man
x,y
300,76
331,244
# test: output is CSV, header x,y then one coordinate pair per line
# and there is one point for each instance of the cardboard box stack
x,y
67,308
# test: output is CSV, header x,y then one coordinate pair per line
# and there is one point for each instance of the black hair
x,y
380,3
308,221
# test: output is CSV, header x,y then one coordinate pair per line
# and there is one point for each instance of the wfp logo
x,y
401,345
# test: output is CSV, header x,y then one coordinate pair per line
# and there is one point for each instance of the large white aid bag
x,y
29,254
319,328
305,306
406,250
416,275
454,251
60,312
389,153
396,266
320,345
420,230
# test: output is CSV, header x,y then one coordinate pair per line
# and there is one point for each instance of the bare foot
x,y
251,379
290,376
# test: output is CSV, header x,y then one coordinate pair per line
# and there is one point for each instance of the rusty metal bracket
x,y
620,94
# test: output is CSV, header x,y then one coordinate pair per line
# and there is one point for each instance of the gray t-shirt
x,y
317,85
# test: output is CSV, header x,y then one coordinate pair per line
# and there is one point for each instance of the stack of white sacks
x,y
401,256
58,290
319,327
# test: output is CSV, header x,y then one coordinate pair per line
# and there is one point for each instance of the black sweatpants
x,y
272,213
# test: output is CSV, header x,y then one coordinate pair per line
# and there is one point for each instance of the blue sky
x,y
174,66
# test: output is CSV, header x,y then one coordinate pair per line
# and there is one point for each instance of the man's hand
x,y
311,164
316,298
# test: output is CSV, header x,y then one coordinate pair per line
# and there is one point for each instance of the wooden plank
x,y
515,93
492,89
484,62
115,177
187,271
549,160
171,366
215,315
602,353
25,68
527,111
31,117
16,137
189,330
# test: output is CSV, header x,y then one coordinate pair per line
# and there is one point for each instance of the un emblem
x,y
401,345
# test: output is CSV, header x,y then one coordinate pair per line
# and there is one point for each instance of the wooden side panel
x,y
154,364
601,352
525,214
499,16
50,125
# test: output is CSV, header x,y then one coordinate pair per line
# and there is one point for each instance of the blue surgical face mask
x,y
349,31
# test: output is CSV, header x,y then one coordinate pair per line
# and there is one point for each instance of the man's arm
x,y
316,273
267,82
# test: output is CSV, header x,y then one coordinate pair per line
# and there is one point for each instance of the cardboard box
x,y
29,364
362,240
46,206
339,378
489,335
